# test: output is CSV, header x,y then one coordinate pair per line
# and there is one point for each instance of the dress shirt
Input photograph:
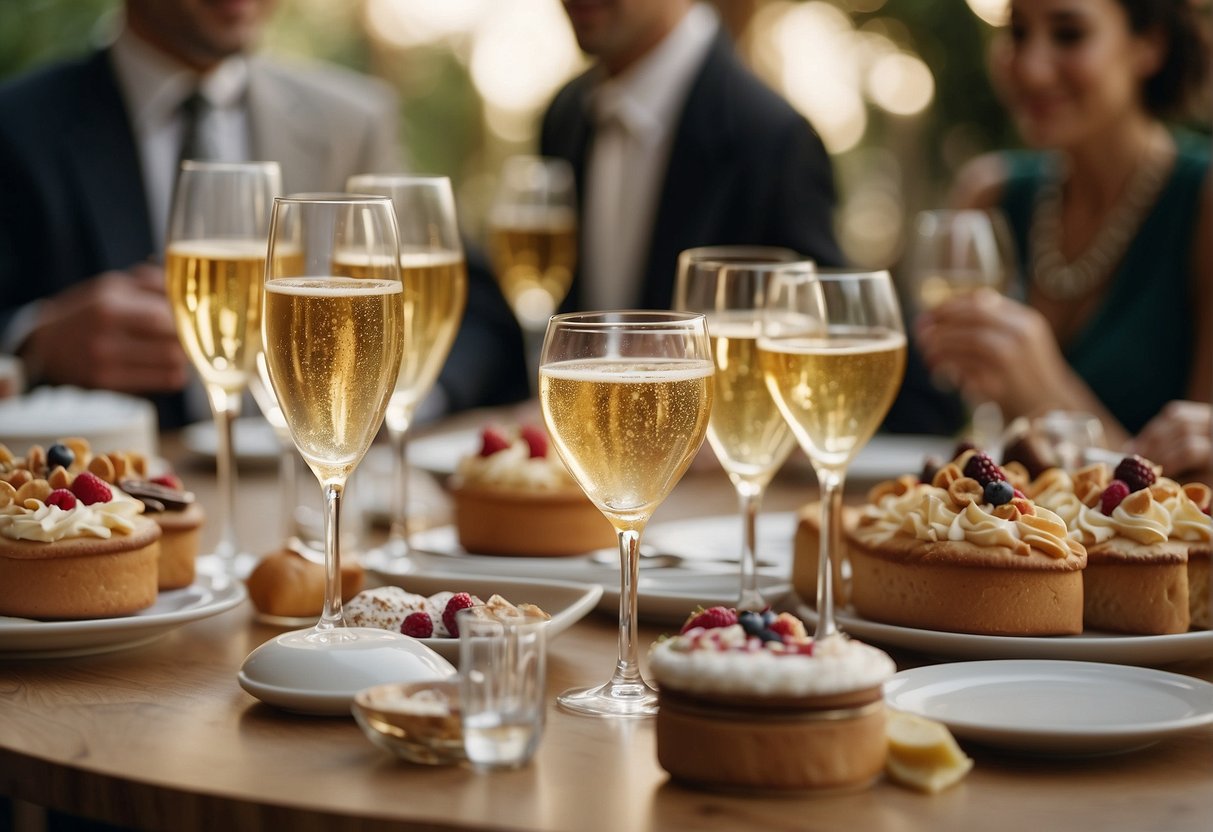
x,y
636,113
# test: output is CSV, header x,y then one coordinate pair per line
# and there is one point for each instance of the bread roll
x,y
289,585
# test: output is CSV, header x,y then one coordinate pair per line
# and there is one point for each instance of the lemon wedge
x,y
923,754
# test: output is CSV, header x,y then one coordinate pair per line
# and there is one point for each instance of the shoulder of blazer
x,y
39,105
323,87
566,115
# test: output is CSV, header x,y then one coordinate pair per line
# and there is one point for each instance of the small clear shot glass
x,y
503,686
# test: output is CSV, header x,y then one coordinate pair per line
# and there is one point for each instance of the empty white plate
x,y
1054,707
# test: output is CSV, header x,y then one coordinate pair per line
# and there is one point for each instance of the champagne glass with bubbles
x,y
213,264
434,273
833,353
729,284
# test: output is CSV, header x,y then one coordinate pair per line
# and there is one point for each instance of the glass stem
x,y
831,539
288,481
398,540
330,617
627,671
750,498
225,406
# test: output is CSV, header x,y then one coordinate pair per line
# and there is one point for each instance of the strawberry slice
x,y
492,441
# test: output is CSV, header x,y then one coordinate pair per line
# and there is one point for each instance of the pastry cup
x,y
500,522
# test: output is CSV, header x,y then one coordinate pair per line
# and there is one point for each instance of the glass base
x,y
237,566
634,699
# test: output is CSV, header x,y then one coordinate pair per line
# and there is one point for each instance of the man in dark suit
x,y
88,155
709,155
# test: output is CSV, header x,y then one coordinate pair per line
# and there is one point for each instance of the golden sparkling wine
x,y
533,254
214,287
748,433
435,293
942,285
627,428
834,391
333,347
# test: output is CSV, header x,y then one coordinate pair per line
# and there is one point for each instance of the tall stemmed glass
x,y
333,346
288,479
833,353
953,253
214,261
748,433
626,397
533,241
434,273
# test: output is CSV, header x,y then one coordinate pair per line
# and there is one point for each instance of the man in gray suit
x,y
88,155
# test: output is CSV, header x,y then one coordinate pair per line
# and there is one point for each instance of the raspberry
x,y
710,619
1134,472
536,440
1116,491
998,492
63,498
491,441
90,488
168,481
459,601
983,469
418,625
59,455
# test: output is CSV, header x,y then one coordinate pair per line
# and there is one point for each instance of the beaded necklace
x,y
1060,280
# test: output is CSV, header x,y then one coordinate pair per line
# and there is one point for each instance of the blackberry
x,y
983,469
1135,472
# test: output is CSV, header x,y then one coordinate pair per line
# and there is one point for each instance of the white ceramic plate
x,y
884,457
565,601
1146,651
668,596
718,539
21,638
253,439
1054,707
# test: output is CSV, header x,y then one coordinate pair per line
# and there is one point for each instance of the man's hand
x,y
1179,438
114,331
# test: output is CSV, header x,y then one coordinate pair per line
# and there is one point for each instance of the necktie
x,y
198,139
607,250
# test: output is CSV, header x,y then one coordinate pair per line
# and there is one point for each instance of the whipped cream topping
x,y
1148,524
39,522
515,468
726,661
1188,522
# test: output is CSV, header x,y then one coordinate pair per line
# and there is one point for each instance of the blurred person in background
x,y
89,151
1111,210
675,144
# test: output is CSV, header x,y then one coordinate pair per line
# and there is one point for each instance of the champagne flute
x,y
626,398
434,272
746,430
333,347
833,353
533,241
213,264
954,253
288,480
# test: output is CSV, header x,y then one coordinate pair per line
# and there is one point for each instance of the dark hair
x,y
1171,90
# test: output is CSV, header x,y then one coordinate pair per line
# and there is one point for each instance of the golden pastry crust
x,y
497,521
179,545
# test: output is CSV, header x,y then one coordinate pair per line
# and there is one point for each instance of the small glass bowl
x,y
418,721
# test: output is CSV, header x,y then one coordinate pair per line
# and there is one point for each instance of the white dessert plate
x,y
254,441
885,456
109,421
565,601
21,638
668,596
1144,651
1054,707
718,539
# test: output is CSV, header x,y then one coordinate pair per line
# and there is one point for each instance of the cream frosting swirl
x,y
515,468
1151,525
46,524
1188,522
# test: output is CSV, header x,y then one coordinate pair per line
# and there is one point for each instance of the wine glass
x,y
953,253
746,430
626,398
214,260
434,273
533,241
288,479
833,353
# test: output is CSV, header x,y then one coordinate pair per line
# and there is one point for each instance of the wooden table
x,y
162,737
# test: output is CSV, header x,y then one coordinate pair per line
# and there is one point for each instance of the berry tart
x,y
749,702
180,520
71,545
420,616
516,498
965,551
1141,532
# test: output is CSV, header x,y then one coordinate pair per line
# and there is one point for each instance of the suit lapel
x,y
105,162
282,130
569,137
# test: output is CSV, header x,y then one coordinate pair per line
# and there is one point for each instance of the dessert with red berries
x,y
179,517
1147,540
73,545
420,616
749,701
515,497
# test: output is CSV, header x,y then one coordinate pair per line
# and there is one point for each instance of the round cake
x,y
71,546
180,520
516,498
758,706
